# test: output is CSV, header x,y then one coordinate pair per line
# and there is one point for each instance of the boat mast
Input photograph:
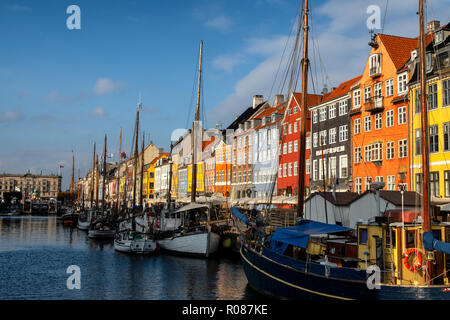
x,y
97,172
197,118
135,163
170,176
73,173
104,178
118,173
142,171
303,113
424,120
92,179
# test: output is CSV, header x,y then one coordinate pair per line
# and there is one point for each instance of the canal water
x,y
35,253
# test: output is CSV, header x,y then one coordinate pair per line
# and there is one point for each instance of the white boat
x,y
193,236
134,242
101,230
84,220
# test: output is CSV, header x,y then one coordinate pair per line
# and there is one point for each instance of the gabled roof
x,y
338,198
341,90
165,154
250,111
312,100
206,143
398,48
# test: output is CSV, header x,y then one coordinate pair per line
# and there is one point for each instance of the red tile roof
x,y
206,143
398,48
341,90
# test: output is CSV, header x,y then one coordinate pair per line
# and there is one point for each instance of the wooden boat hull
x,y
83,225
280,277
101,234
198,244
135,246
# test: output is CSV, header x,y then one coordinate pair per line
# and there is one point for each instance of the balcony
x,y
375,72
374,104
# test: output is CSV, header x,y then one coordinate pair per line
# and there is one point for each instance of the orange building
x,y
223,169
379,116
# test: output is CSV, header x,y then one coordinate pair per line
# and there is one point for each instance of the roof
x,y
165,154
206,143
338,198
244,116
192,206
410,198
312,99
398,48
342,89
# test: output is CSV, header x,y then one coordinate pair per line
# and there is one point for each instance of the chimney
x,y
432,26
278,99
333,88
257,100
324,90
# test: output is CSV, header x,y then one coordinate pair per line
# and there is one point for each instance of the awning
x,y
192,206
299,235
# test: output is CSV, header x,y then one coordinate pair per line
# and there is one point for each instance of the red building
x,y
287,181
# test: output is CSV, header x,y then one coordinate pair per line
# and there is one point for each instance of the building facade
x,y
30,185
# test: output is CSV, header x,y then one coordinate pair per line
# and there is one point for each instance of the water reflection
x,y
36,251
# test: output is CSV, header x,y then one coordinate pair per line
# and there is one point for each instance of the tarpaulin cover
x,y
299,235
238,214
430,243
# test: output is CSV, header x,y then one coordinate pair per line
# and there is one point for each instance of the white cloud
x,y
55,97
106,85
9,116
221,23
98,112
17,8
227,63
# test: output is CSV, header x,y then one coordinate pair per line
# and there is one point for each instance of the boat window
x,y
410,239
394,239
362,236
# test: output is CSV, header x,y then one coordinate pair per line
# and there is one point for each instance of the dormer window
x,y
413,55
273,117
375,64
263,120
439,37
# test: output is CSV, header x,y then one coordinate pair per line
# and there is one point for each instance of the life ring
x,y
416,266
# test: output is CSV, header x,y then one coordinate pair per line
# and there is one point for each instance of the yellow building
x,y
438,104
200,177
151,175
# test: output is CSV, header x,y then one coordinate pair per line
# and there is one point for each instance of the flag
x,y
123,155
61,166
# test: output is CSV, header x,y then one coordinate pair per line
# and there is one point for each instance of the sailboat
x,y
194,235
297,262
101,227
127,238
84,220
70,218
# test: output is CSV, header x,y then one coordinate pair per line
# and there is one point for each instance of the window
x,y
389,87
357,155
315,170
418,142
447,136
323,114
315,139
284,169
295,126
367,124
284,148
308,142
295,168
307,167
377,93
323,137
402,115
280,171
332,111
290,127
343,133
417,102
322,169
434,139
432,96
377,151
368,181
296,146
402,86
367,94
378,121
390,182
447,183
343,107
295,109
390,150
290,147
314,115
332,133
356,98
358,185
367,153
402,148
445,92
419,183
362,236
290,169
389,118
374,64
357,126
332,169
343,166
434,183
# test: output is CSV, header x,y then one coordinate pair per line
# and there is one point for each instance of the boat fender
x,y
416,266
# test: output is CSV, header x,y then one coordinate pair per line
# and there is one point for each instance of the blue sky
x,y
64,89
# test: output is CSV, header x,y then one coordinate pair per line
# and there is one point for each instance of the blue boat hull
x,y
285,278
